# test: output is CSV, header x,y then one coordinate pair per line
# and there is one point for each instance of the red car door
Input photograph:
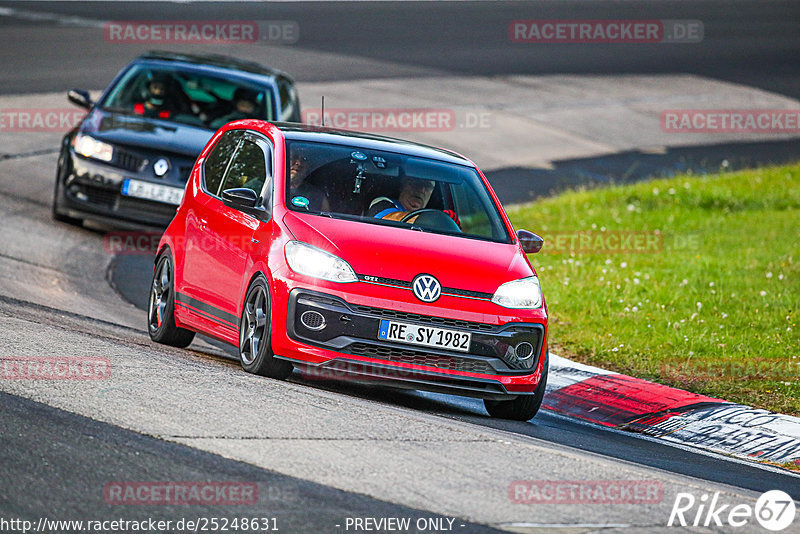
x,y
219,237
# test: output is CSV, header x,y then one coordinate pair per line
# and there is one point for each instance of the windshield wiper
x,y
121,111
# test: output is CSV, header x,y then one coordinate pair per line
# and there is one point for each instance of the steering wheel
x,y
433,219
414,213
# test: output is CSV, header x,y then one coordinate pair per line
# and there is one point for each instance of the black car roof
x,y
214,60
293,131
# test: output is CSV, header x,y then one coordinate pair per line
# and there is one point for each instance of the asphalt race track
x,y
319,453
749,42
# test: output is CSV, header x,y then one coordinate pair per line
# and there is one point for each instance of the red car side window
x,y
217,161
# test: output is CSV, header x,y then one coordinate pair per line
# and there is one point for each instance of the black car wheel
x,y
160,310
255,344
524,407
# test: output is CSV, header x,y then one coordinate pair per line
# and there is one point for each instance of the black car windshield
x,y
188,97
391,188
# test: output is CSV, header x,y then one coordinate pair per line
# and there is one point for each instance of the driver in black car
x,y
159,98
414,195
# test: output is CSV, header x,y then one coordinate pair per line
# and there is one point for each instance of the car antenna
x,y
323,110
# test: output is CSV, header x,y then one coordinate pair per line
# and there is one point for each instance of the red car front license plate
x,y
425,336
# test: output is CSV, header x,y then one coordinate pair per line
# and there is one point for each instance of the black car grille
x,y
127,160
415,357
425,319
99,195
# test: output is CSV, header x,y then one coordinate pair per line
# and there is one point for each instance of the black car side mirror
x,y
240,198
247,201
80,98
530,242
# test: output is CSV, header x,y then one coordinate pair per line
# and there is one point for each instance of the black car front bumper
x,y
93,189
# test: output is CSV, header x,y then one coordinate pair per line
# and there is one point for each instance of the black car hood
x,y
162,135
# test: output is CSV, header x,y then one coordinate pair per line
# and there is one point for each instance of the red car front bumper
x,y
347,346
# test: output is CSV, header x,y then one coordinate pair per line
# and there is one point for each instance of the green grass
x,y
710,306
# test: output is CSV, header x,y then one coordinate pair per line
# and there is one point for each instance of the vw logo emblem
x,y
426,288
161,167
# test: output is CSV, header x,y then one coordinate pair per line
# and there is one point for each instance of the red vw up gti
x,y
357,257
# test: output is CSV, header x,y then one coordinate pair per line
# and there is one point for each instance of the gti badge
x,y
426,288
161,167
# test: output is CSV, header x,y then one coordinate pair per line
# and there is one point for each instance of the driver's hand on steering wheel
x,y
452,214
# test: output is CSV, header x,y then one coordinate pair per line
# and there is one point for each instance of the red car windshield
x,y
391,188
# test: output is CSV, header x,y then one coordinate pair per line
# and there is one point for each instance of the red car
x,y
354,256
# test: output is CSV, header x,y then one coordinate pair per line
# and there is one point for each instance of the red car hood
x,y
401,254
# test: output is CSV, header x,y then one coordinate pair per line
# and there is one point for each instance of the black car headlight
x,y
89,147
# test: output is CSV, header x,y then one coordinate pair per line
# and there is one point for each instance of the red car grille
x,y
452,363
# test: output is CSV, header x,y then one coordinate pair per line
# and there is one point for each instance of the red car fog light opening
x,y
524,351
313,320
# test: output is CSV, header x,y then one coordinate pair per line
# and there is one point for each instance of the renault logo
x,y
161,167
426,288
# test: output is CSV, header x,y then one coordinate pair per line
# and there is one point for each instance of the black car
x,y
128,160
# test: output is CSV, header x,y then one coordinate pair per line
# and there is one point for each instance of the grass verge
x,y
689,281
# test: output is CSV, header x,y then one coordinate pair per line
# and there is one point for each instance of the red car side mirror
x,y
530,242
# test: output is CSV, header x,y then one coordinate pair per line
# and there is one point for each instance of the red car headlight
x,y
525,293
315,262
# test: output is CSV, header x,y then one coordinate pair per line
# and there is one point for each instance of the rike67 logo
x,y
774,511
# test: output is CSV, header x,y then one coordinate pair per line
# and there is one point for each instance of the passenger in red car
x,y
299,168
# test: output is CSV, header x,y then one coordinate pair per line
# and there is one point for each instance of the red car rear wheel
x,y
161,309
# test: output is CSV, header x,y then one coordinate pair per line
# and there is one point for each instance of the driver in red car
x,y
414,195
